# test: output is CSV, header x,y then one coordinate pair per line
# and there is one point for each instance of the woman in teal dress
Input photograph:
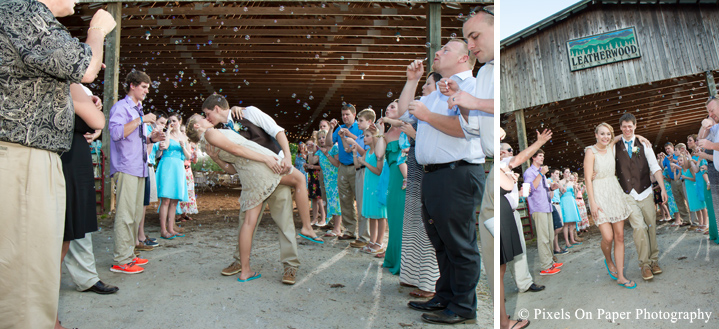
x,y
372,208
171,183
570,212
395,193
703,192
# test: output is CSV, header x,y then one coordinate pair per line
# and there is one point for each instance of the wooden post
x,y
521,134
434,31
711,85
112,72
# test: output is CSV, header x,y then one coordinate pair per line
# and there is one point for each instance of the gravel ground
x,y
337,287
583,295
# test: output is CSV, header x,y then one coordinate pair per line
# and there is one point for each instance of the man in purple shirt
x,y
128,161
540,208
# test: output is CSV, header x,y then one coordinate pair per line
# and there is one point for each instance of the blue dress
x,y
300,164
371,207
695,204
568,203
170,176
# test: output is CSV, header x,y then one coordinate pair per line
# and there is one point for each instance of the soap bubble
x,y
427,45
247,37
389,94
282,8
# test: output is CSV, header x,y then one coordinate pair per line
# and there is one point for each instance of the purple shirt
x,y
538,199
127,154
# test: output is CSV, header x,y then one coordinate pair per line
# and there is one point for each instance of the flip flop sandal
x,y
520,322
315,239
255,276
610,272
330,234
170,238
179,235
628,287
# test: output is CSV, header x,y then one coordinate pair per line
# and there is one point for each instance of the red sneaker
x,y
140,261
557,265
129,268
550,271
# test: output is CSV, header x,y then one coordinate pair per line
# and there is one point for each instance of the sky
x,y
517,15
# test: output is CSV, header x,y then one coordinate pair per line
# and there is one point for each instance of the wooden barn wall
x,y
675,41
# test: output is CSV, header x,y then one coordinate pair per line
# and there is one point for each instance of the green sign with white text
x,y
610,47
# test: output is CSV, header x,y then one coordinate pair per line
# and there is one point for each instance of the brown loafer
x,y
233,269
647,273
357,244
656,269
289,276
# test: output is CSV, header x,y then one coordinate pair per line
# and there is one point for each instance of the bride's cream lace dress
x,y
258,181
608,194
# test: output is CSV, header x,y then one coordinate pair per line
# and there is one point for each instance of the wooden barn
x,y
596,60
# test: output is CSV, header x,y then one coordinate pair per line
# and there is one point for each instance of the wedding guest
x,y
372,209
171,181
80,212
707,139
356,225
128,156
606,201
671,173
453,181
540,208
584,224
42,59
314,183
189,206
570,213
702,184
327,158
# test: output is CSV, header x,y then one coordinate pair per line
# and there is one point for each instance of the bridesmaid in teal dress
x,y
395,194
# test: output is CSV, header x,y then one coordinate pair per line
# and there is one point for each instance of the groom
x,y
634,165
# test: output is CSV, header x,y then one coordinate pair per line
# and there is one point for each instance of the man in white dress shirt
x,y
454,178
633,170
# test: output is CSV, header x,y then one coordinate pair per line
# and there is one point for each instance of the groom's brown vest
x,y
258,135
632,173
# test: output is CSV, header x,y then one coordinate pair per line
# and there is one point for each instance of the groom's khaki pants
x,y
281,211
643,220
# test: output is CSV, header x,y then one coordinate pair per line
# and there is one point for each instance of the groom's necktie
x,y
629,148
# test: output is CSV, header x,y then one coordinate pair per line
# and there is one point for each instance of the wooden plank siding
x,y
675,41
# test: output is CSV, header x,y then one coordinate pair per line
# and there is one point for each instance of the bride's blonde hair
x,y
604,124
190,130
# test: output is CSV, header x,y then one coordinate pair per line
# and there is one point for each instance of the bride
x,y
609,210
260,172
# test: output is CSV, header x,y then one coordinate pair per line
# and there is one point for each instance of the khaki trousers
x,y
363,223
680,198
346,188
32,201
280,203
80,263
518,266
130,199
643,220
544,225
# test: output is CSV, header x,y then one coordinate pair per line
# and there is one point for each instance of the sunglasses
x,y
478,9
509,150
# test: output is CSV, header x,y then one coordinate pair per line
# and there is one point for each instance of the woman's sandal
x,y
628,282
614,277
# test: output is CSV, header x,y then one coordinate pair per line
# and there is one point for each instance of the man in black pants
x,y
452,185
